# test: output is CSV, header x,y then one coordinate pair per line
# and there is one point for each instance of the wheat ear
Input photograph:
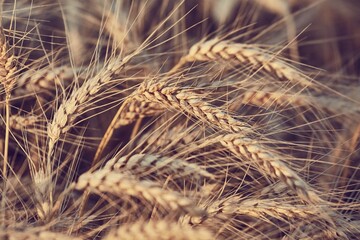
x,y
216,49
71,107
259,208
105,180
67,112
7,75
18,122
161,229
45,80
178,99
34,235
192,103
270,161
271,95
140,163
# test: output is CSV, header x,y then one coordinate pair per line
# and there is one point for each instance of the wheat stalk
x,y
68,111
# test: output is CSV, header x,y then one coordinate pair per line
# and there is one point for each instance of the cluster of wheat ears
x,y
231,119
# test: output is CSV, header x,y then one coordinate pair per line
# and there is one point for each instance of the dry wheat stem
x,y
161,229
246,54
107,181
140,163
109,132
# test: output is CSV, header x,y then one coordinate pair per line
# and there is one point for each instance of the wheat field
x,y
130,119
